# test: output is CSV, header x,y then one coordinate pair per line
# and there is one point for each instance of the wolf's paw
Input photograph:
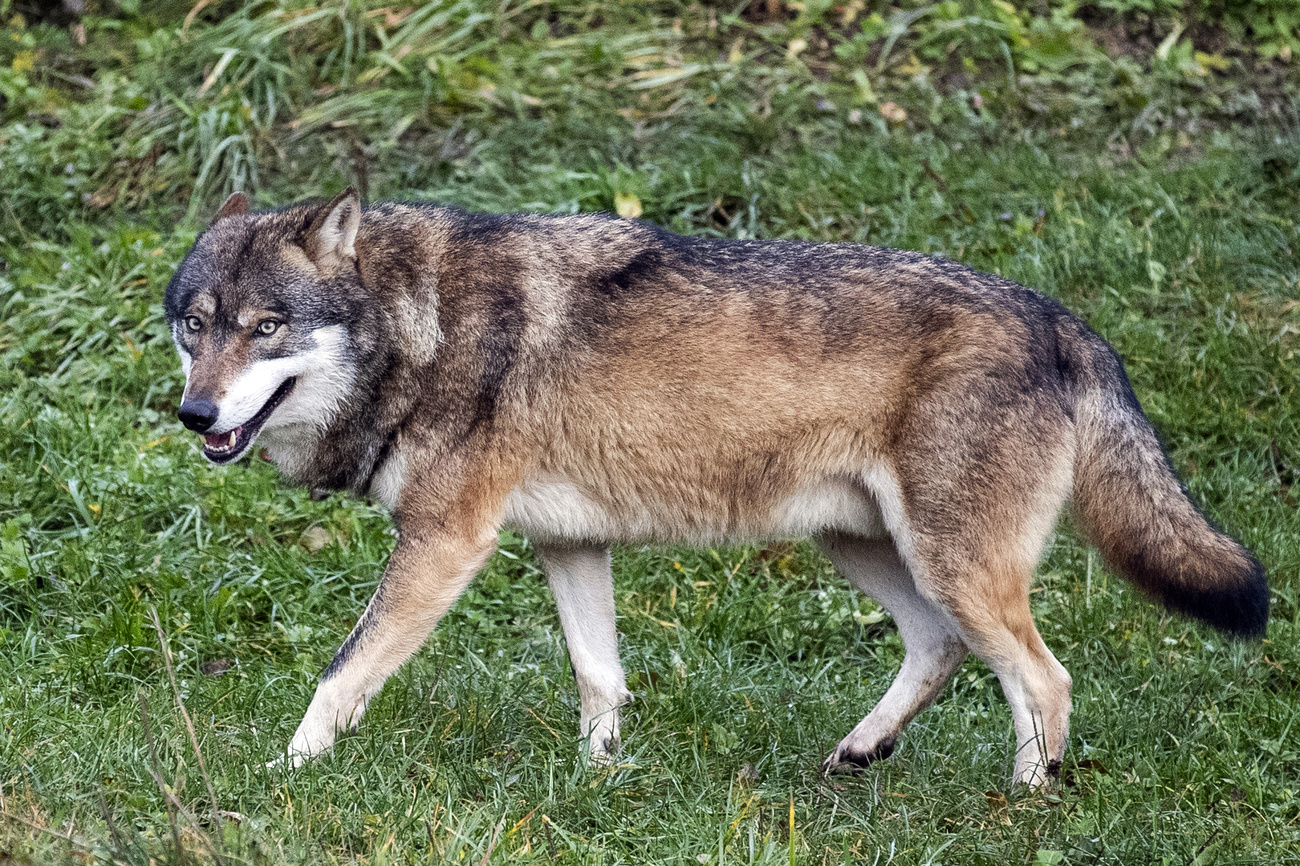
x,y
602,750
848,757
601,743
288,761
311,739
1037,777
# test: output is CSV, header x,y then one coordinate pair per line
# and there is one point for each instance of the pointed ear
x,y
333,233
237,203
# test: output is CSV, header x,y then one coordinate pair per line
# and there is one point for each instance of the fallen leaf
x,y
892,112
315,538
627,205
998,807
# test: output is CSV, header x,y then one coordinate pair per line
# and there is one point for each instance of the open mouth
x,y
229,446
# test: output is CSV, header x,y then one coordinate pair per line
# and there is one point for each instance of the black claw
x,y
841,767
856,762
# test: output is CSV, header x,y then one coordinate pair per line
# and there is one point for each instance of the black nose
x,y
198,415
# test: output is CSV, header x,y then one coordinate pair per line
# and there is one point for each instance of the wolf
x,y
589,380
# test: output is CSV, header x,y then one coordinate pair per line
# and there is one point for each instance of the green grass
x,y
1128,188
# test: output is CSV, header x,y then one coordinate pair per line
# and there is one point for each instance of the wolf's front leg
x,y
432,564
583,586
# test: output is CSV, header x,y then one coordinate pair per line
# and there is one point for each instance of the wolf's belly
x,y
560,511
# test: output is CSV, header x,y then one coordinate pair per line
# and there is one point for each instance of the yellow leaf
x,y
627,205
797,45
1213,61
24,61
912,66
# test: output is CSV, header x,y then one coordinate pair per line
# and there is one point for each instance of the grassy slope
x,y
748,664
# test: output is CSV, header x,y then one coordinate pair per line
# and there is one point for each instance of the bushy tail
x,y
1130,504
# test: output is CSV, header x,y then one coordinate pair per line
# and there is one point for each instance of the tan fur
x,y
591,381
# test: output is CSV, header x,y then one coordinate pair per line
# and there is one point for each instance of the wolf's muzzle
x,y
198,415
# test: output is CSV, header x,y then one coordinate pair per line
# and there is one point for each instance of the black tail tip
x,y
1238,607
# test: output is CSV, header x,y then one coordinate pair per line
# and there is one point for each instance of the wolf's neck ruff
x,y
922,422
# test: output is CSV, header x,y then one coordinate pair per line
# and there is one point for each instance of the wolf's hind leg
x,y
934,648
979,513
583,585
996,622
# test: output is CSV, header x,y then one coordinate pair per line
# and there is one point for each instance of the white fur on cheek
x,y
324,376
325,380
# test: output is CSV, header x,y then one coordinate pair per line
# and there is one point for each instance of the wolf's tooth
x,y
233,438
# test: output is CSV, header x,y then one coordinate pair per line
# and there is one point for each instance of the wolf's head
x,y
260,311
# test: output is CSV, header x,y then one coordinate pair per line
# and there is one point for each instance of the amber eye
x,y
267,327
193,323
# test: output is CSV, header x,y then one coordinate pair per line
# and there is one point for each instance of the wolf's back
x,y
1131,505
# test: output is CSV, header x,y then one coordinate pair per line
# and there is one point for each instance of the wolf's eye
x,y
193,323
267,327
